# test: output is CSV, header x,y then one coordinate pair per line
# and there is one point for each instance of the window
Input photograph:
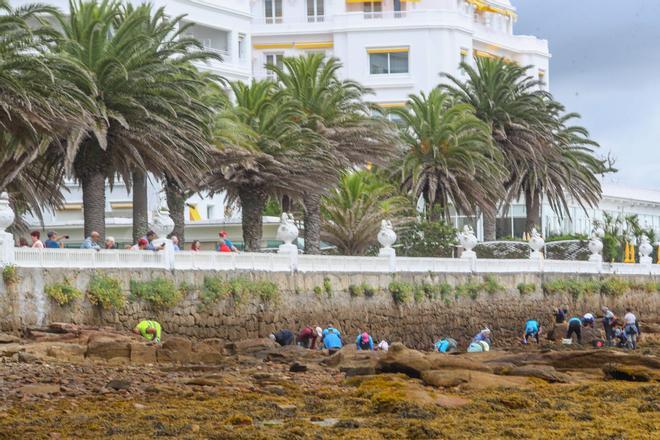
x,y
399,9
210,212
373,10
273,11
241,47
274,59
384,61
315,11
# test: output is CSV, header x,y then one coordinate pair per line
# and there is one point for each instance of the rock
x,y
357,370
117,384
286,410
545,372
39,389
142,353
202,381
208,351
472,362
347,424
9,339
558,331
278,390
139,406
108,347
175,349
9,350
445,378
400,359
27,357
257,347
297,367
66,352
631,373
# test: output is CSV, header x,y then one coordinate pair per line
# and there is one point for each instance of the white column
x,y
7,217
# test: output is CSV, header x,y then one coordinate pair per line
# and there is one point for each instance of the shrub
x,y
554,287
267,291
526,288
240,289
9,275
369,291
159,292
186,288
401,291
105,292
429,290
614,287
318,290
426,239
492,286
214,289
471,289
419,293
327,286
356,290
444,289
63,293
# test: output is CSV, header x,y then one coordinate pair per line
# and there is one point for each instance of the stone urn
x,y
468,241
6,213
287,231
7,217
386,238
645,250
161,222
536,243
596,245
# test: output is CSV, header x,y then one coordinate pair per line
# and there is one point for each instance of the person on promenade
x,y
283,337
141,245
36,240
22,242
92,242
175,243
110,243
574,327
483,335
226,241
445,345
54,241
308,336
608,323
149,330
532,329
364,342
196,246
331,338
150,237
222,246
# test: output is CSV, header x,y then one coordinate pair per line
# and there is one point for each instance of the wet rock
x,y
286,410
175,349
202,381
545,372
9,339
358,370
9,350
118,384
297,367
445,378
631,373
108,347
278,390
208,351
254,347
400,359
142,353
27,358
347,424
39,389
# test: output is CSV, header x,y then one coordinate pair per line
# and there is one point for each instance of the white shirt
x,y
38,244
384,345
630,318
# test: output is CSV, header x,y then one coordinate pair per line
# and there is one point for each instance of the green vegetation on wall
x,y
105,291
526,288
159,292
402,292
9,275
63,293
239,289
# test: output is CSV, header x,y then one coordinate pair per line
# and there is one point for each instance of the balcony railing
x,y
207,260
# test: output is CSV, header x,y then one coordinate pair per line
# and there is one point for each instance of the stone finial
x,y
468,241
596,245
287,231
6,213
161,223
645,250
536,243
386,237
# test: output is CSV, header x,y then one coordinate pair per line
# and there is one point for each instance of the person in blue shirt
x,y
483,335
445,345
574,327
54,242
227,241
364,342
532,329
92,242
332,339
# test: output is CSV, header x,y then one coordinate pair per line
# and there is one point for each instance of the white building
x,y
395,47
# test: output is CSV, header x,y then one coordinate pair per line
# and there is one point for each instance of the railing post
x,y
7,253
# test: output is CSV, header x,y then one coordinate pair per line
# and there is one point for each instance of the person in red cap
x,y
364,342
141,245
225,244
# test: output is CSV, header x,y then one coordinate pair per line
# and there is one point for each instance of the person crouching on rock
x,y
574,327
283,337
484,335
532,329
445,345
560,314
364,342
150,330
331,338
307,337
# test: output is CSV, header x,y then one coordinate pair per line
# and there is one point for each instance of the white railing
x,y
207,260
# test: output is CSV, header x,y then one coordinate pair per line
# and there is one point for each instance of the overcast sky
x,y
606,66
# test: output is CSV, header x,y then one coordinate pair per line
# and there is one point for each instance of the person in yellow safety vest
x,y
150,330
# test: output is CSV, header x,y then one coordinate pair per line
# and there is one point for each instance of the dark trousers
x,y
608,331
574,328
535,335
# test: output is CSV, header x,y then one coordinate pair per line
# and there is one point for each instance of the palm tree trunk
x,y
252,206
312,223
93,189
140,205
533,205
490,224
176,200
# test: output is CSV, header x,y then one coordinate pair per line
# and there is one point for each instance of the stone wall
x,y
416,324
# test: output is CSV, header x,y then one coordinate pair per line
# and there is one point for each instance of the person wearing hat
x,y
141,245
226,242
483,335
308,336
283,337
364,342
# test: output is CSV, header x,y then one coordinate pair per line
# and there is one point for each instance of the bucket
x,y
567,341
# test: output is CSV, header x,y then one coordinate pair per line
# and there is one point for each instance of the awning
x,y
193,213
388,50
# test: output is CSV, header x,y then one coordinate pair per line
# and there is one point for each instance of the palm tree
x,y
149,116
38,95
352,212
512,103
335,110
449,159
264,152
